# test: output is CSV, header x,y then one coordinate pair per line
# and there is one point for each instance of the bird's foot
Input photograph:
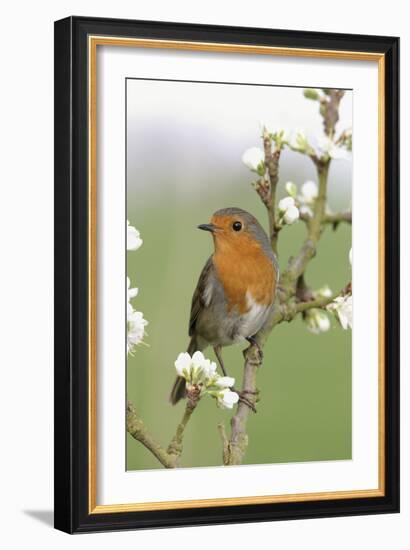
x,y
253,343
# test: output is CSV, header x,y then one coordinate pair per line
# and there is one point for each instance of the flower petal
x,y
225,382
183,362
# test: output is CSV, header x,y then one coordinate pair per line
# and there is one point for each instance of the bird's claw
x,y
259,352
254,343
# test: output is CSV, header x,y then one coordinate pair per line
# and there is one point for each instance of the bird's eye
x,y
236,226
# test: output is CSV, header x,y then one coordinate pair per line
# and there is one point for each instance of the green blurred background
x,y
181,168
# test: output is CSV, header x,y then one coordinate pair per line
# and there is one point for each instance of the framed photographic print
x,y
226,274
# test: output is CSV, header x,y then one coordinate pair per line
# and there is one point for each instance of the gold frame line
x,y
93,42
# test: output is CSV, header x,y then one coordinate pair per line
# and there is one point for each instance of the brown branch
x,y
169,458
272,165
317,303
297,264
330,219
329,109
335,219
175,447
235,447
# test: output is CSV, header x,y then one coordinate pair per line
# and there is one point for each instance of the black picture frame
x,y
72,277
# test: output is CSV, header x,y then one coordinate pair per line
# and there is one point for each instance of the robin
x,y
236,289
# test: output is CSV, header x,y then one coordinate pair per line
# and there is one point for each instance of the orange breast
x,y
242,270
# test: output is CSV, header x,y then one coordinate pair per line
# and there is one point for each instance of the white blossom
x,y
254,159
286,203
287,207
328,147
317,321
209,368
198,359
183,365
206,367
196,369
134,240
131,293
342,307
308,192
225,382
291,215
135,319
227,398
350,256
200,374
136,329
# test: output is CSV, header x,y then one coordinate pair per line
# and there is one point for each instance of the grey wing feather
x,y
202,296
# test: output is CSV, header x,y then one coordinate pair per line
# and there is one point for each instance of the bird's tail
x,y
178,389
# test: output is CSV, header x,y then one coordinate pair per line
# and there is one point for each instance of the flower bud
x,y
291,189
299,142
324,292
309,93
254,159
317,321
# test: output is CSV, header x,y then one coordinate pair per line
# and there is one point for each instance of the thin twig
x,y
272,165
169,458
175,447
335,219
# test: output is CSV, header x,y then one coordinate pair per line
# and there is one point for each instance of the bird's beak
x,y
208,227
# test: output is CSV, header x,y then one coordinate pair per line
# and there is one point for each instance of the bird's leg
x,y
253,342
218,353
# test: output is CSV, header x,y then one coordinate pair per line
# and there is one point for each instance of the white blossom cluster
x,y
317,320
135,319
304,199
288,211
342,306
300,203
297,204
323,147
200,374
